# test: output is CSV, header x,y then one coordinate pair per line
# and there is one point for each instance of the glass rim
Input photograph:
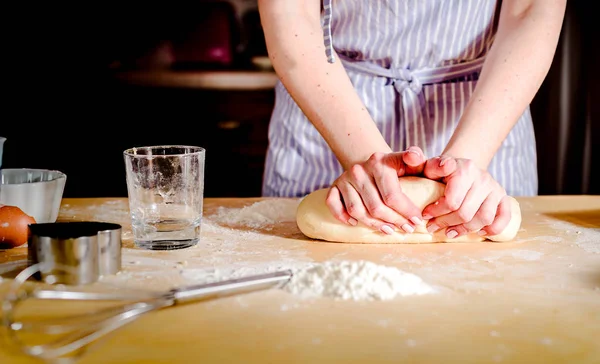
x,y
193,149
8,175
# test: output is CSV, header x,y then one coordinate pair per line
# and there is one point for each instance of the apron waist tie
x,y
414,79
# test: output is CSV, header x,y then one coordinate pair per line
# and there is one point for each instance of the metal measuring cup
x,y
87,249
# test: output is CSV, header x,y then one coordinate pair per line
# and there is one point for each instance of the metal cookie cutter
x,y
88,249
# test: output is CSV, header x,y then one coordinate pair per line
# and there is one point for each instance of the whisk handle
x,y
230,287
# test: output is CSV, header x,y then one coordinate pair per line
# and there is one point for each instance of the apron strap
x,y
328,39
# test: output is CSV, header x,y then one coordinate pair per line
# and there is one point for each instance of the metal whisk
x,y
80,330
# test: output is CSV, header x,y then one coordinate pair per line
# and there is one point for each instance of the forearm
x,y
321,89
514,69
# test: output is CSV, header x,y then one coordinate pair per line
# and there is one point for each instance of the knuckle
x,y
493,230
373,224
355,211
356,171
486,217
485,179
376,170
377,210
390,199
453,204
465,215
462,173
469,164
331,199
376,157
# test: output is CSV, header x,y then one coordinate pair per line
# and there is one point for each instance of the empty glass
x,y
165,185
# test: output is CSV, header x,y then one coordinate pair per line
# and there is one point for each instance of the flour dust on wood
x,y
586,238
262,214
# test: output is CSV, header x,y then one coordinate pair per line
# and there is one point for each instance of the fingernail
x,y
433,228
443,161
427,217
482,232
386,229
415,220
451,234
413,151
408,228
352,221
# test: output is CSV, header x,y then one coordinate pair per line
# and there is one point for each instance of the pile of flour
x,y
341,280
355,280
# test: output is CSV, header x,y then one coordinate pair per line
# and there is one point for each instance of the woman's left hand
x,y
473,201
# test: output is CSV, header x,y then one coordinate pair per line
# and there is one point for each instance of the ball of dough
x,y
316,221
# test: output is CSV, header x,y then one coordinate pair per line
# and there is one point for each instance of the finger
x,y
465,213
407,214
503,215
380,210
354,206
486,214
336,206
379,161
440,167
414,160
454,194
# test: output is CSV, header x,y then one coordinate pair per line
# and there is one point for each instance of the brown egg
x,y
14,226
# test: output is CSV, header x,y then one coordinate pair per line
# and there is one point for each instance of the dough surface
x,y
315,221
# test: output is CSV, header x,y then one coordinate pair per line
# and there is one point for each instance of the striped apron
x,y
414,65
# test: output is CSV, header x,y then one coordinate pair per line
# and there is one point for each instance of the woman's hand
x,y
473,201
370,193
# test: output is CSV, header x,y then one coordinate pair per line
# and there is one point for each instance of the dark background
x,y
66,110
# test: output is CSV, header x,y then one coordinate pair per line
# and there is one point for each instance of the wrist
x,y
359,155
354,147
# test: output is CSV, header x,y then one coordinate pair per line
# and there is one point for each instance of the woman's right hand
x,y
370,193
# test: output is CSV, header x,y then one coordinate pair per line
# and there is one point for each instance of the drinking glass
x,y
165,186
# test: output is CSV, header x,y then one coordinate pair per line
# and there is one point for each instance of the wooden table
x,y
532,300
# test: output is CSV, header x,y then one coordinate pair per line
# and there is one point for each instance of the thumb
x,y
413,160
439,167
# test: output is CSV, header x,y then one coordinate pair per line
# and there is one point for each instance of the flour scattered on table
x,y
240,270
230,233
529,255
547,239
259,214
110,211
587,239
355,280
